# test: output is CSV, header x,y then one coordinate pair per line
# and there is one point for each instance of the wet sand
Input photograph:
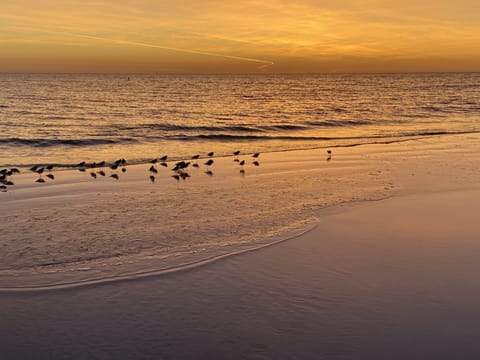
x,y
395,278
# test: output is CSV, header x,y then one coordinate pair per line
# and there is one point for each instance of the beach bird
x,y
152,178
236,153
329,153
40,180
256,155
101,163
115,176
195,165
176,177
40,171
195,157
163,158
14,171
124,169
154,161
241,163
93,175
164,164
242,171
211,153
81,164
184,175
51,176
34,168
49,167
209,162
209,172
114,166
153,169
256,163
101,173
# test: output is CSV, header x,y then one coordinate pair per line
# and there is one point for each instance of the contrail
x,y
136,43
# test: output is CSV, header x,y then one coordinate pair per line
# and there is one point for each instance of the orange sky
x,y
213,36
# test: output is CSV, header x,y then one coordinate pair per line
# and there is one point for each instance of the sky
x,y
252,36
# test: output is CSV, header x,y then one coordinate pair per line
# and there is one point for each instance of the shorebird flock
x,y
114,170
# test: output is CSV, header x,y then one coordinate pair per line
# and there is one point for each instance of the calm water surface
x,y
64,119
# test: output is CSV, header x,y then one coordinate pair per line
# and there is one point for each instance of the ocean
x,y
68,118
76,229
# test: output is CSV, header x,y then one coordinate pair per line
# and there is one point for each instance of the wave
x,y
227,137
58,142
339,123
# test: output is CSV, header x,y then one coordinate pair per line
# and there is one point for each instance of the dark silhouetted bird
x,y
152,178
50,176
115,176
92,174
40,180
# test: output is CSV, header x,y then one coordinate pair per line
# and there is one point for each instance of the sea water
x,y
78,230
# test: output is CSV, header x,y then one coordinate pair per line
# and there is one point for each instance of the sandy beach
x,y
374,256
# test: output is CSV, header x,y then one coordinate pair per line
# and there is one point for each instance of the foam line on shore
x,y
166,271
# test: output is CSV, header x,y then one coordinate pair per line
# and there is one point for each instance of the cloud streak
x,y
264,63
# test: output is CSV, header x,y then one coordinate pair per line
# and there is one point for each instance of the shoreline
x,y
399,152
368,279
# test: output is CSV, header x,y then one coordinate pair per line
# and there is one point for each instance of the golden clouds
x,y
218,36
